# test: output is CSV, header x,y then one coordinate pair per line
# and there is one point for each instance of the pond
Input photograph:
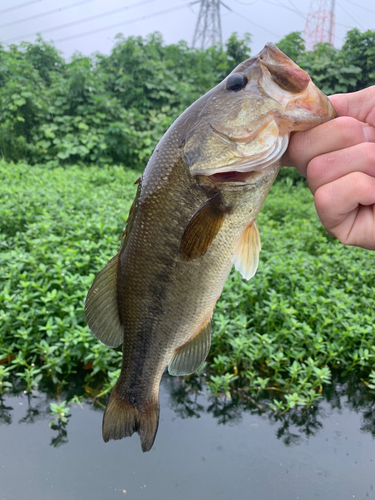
x,y
206,448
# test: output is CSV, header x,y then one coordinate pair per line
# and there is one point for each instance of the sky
x,y
90,26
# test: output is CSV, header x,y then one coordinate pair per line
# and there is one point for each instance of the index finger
x,y
359,105
340,133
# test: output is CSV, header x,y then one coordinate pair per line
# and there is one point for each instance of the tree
x,y
292,45
238,49
359,50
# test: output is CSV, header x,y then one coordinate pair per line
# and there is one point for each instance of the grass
x,y
308,311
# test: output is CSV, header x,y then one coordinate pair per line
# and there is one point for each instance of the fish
x,y
193,218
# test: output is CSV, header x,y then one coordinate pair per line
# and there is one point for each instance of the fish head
x,y
243,125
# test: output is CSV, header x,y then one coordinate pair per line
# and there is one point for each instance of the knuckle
x,y
351,130
318,168
322,198
356,179
314,168
361,183
341,237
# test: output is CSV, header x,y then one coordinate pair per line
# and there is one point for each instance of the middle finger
x,y
331,166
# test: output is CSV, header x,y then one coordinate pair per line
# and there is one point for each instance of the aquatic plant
x,y
308,312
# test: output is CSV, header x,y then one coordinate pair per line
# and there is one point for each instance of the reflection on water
x,y
36,407
212,448
5,412
189,398
186,401
62,434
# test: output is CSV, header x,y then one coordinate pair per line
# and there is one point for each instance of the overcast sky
x,y
67,23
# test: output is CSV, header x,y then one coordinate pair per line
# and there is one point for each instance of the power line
x,y
19,6
130,21
293,9
278,4
303,15
292,4
85,20
344,26
249,20
361,6
43,14
246,3
349,14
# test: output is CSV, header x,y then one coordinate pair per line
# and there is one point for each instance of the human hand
x,y
338,159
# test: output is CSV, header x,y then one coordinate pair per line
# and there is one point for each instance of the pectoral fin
x,y
202,228
246,258
101,308
188,358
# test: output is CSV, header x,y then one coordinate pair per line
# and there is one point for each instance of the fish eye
x,y
236,82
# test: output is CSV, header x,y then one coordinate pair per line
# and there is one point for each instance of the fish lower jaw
x,y
236,179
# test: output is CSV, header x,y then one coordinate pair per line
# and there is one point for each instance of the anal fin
x,y
101,308
246,257
188,358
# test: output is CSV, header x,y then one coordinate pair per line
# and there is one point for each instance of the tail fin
x,y
122,419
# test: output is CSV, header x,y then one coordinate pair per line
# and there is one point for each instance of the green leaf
x,y
19,102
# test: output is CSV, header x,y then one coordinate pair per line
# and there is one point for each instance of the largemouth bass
x,y
193,217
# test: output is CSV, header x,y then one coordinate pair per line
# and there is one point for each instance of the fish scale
x,y
193,218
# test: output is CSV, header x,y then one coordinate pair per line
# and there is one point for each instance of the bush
x,y
113,109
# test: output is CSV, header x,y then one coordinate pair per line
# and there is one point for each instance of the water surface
x,y
205,449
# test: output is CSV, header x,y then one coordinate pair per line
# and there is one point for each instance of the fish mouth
x,y
234,177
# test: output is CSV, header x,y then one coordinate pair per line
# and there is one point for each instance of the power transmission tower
x,y
208,28
320,23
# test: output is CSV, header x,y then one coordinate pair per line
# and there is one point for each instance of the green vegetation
x,y
113,109
308,310
60,412
105,109
57,229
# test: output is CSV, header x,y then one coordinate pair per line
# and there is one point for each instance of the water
x,y
205,449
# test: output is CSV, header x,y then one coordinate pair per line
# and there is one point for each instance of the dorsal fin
x,y
101,307
131,216
246,257
189,357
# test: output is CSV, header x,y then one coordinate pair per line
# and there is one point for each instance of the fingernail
x,y
369,133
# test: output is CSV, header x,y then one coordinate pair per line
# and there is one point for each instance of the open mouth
x,y
233,177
